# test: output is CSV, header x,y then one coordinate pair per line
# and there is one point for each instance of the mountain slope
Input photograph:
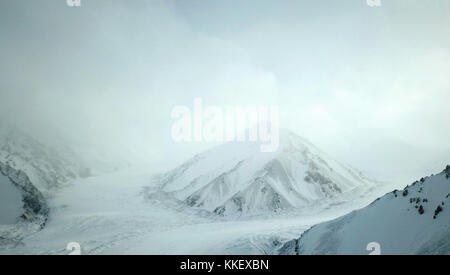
x,y
413,221
237,179
30,171
47,167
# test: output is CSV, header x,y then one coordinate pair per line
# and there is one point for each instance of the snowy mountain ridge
x,y
236,179
412,221
33,170
47,167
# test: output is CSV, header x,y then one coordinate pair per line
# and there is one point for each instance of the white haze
x,y
370,86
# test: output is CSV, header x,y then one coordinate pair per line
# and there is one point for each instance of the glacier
x,y
139,210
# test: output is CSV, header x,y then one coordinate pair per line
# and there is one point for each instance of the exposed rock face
x,y
36,170
35,206
35,209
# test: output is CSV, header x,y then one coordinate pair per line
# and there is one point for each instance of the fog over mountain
x,y
356,80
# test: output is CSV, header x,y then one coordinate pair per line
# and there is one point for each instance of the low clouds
x,y
106,75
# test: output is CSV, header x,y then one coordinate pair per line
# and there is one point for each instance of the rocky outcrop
x,y
35,206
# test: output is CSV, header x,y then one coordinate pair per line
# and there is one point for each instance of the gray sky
x,y
368,85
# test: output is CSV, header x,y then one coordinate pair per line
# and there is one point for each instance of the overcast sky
x,y
369,85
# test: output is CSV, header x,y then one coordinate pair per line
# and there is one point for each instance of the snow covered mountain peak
x,y
237,179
